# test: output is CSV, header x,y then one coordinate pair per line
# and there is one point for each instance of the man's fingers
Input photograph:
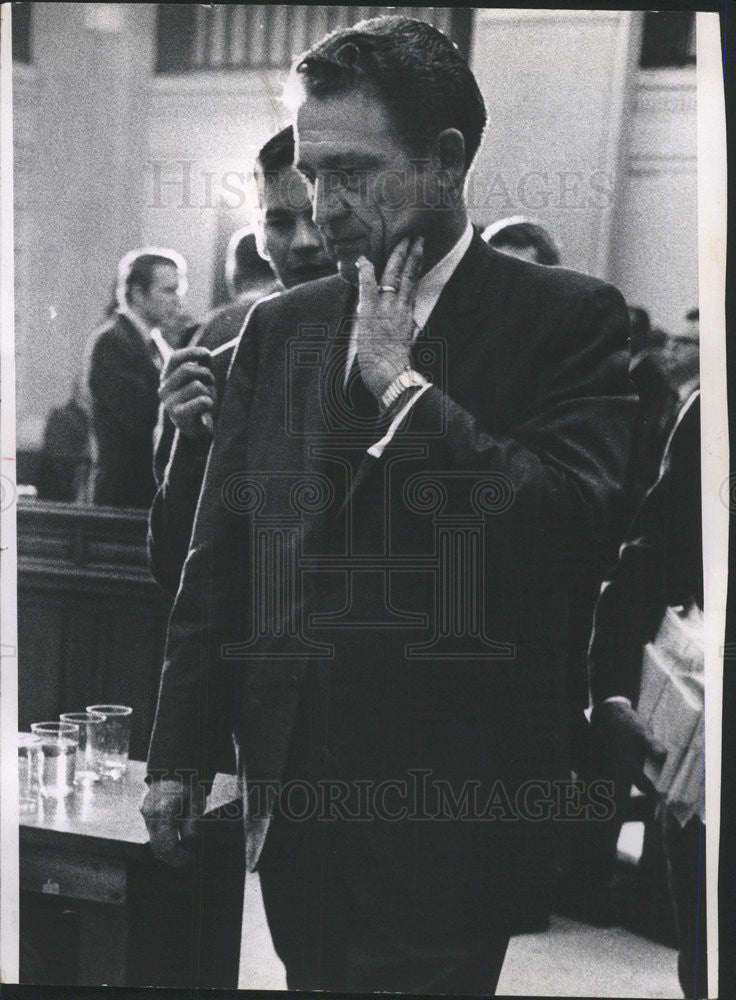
x,y
191,409
189,391
167,806
188,371
165,844
194,419
162,810
367,288
657,750
411,273
395,265
198,355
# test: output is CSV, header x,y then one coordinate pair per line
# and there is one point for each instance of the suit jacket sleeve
x,y
195,712
172,512
175,503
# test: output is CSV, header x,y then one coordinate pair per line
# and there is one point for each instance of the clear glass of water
x,y
88,751
59,742
113,745
29,757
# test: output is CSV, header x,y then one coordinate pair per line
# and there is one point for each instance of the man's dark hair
x,y
141,271
277,154
416,71
527,234
244,266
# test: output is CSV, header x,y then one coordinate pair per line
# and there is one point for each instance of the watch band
x,y
406,380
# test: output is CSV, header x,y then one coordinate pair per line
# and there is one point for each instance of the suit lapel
x,y
455,320
318,393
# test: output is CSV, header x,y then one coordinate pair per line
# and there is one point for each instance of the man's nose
x,y
328,203
306,236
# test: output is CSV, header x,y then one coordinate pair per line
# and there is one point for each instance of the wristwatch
x,y
406,380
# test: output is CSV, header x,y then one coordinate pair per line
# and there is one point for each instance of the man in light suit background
x,y
415,463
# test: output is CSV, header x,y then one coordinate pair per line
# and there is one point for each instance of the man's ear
x,y
136,297
449,152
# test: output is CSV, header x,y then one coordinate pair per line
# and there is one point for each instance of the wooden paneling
x,y
91,621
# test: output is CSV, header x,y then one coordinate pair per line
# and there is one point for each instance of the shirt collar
x,y
431,285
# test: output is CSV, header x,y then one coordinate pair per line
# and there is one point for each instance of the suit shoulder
x,y
305,302
106,331
111,337
222,325
555,282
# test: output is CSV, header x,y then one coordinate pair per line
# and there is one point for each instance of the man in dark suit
x,y
193,380
407,478
660,566
123,372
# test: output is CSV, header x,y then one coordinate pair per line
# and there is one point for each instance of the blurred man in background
x,y
123,372
522,238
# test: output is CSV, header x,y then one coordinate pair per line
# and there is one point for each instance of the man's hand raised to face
x,y
187,392
171,810
386,315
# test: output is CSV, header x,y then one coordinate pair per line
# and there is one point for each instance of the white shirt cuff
x,y
376,450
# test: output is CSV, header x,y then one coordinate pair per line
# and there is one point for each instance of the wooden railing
x,y
91,620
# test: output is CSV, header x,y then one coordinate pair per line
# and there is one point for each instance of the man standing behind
x,y
287,238
193,381
123,373
407,475
524,239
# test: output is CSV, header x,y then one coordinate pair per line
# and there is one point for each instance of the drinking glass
x,y
114,739
89,757
59,742
29,755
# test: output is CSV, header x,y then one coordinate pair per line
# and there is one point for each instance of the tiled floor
x,y
569,959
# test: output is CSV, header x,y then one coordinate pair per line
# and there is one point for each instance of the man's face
x,y
161,303
368,191
291,240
